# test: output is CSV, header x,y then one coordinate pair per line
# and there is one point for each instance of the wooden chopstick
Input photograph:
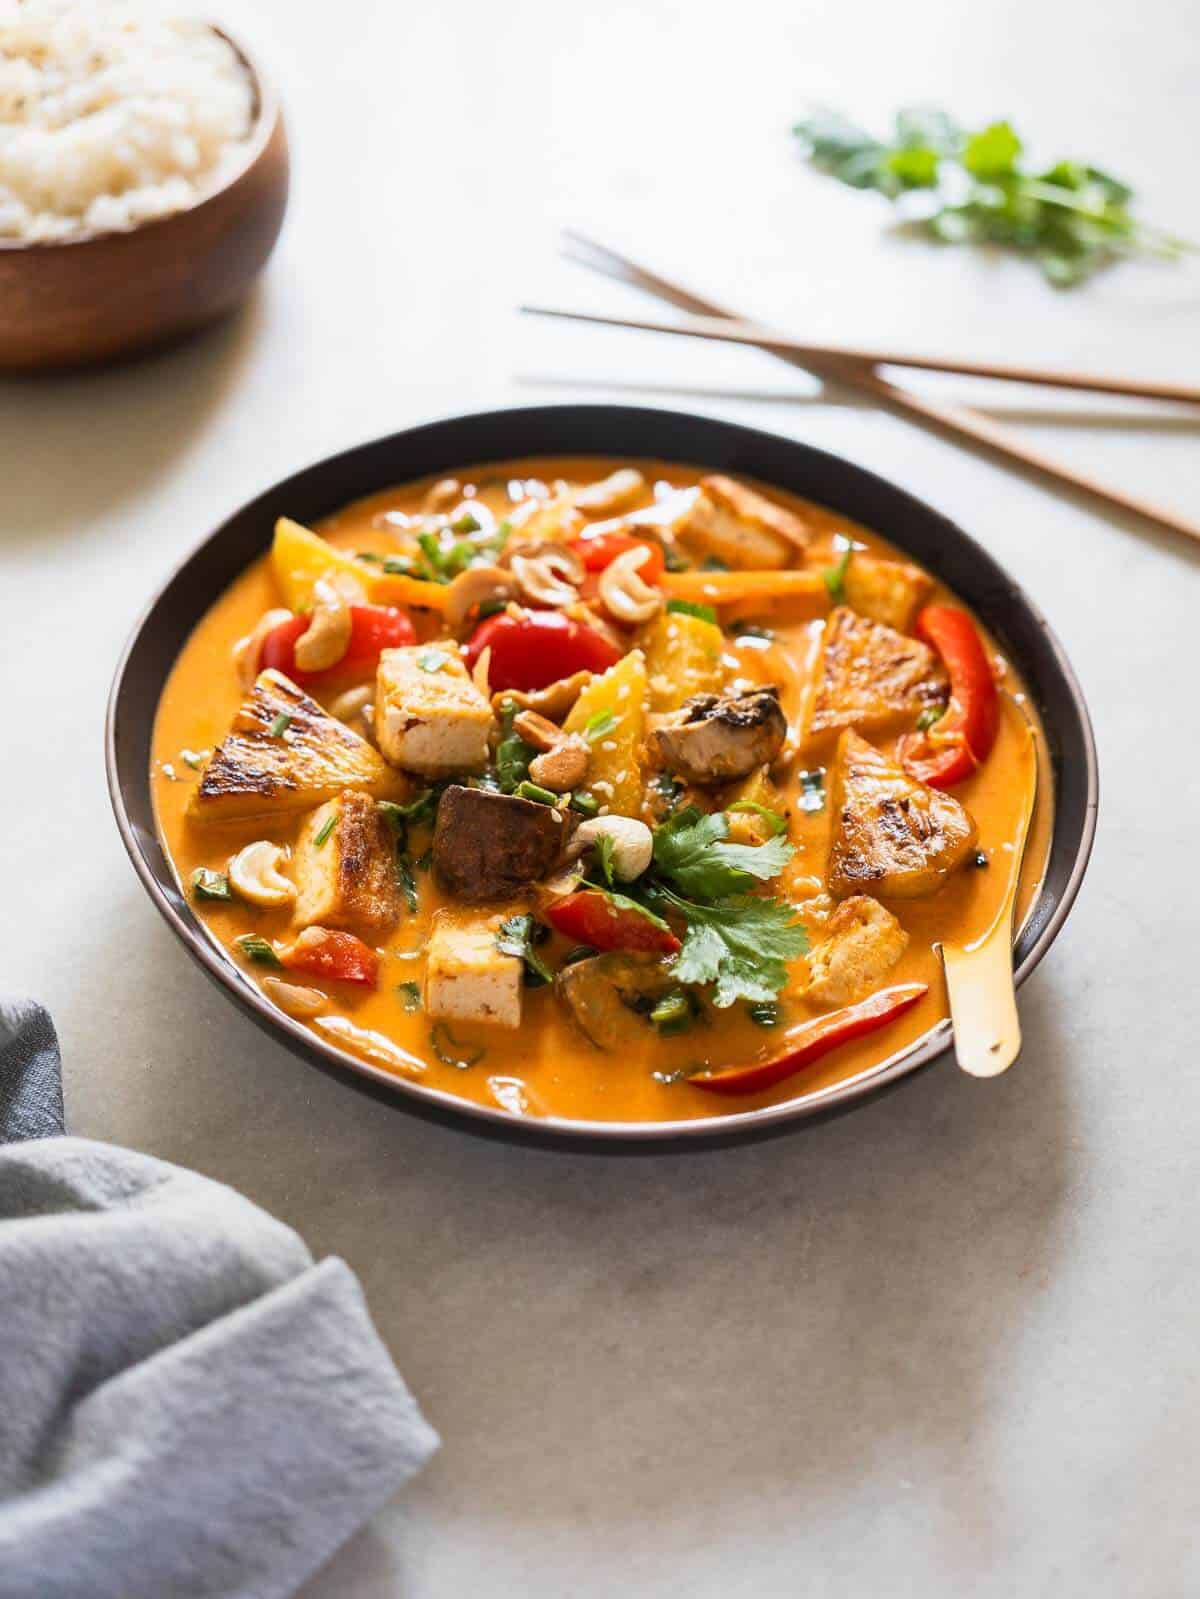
x,y
728,331
958,421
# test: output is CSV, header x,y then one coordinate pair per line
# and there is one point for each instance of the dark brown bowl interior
x,y
604,430
107,296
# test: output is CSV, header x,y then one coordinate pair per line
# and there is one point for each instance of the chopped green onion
x,y
417,809
491,608
258,950
586,804
713,565
398,566
675,562
451,1052
927,718
327,827
775,821
432,660
373,556
281,724
410,995
835,576
706,613
598,724
674,1013
534,791
210,885
466,524
580,952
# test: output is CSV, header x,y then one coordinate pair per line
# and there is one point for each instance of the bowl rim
x,y
266,117
557,1131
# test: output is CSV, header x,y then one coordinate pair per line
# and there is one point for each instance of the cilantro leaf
x,y
515,937
689,848
740,946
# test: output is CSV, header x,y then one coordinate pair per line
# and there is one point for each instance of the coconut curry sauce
x,y
537,784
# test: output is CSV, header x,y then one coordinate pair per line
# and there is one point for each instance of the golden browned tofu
x,y
430,716
886,591
892,835
467,978
740,527
284,753
872,678
862,943
345,867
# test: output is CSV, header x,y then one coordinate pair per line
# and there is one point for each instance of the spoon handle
x,y
979,976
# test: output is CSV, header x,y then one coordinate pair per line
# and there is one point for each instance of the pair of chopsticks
x,y
859,369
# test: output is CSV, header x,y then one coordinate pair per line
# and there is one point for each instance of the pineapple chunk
x,y
345,867
299,558
862,943
683,657
284,753
886,591
872,678
614,774
748,827
893,835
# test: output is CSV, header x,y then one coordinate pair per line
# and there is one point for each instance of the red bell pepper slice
x,y
537,649
373,628
598,549
816,1038
959,742
321,952
593,917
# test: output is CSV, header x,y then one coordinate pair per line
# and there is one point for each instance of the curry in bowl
x,y
603,790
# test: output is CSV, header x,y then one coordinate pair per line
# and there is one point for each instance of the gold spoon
x,y
979,975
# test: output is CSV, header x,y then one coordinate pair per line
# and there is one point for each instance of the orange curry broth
x,y
560,1072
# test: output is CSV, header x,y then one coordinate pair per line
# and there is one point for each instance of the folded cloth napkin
x,y
189,1407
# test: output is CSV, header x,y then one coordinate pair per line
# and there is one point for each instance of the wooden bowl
x,y
102,296
439,447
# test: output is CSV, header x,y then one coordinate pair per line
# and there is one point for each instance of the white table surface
x,y
947,1345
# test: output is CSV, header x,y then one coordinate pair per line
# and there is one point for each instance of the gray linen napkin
x,y
189,1407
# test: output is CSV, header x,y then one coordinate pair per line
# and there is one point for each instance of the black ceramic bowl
x,y
604,430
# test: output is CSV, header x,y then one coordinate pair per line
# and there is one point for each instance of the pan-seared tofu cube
x,y
886,591
429,715
741,528
862,943
467,979
345,867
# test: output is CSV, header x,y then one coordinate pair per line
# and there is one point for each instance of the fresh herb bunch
x,y
1072,218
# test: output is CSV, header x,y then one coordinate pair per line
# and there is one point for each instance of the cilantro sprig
x,y
737,943
965,187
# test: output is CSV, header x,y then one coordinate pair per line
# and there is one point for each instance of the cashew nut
x,y
549,577
247,652
562,767
611,492
553,701
625,595
443,493
327,637
255,875
537,730
293,1000
354,702
632,841
476,586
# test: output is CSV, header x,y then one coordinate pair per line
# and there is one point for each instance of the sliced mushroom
x,y
717,737
626,596
255,874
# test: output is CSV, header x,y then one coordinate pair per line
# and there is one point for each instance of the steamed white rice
x,y
111,115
